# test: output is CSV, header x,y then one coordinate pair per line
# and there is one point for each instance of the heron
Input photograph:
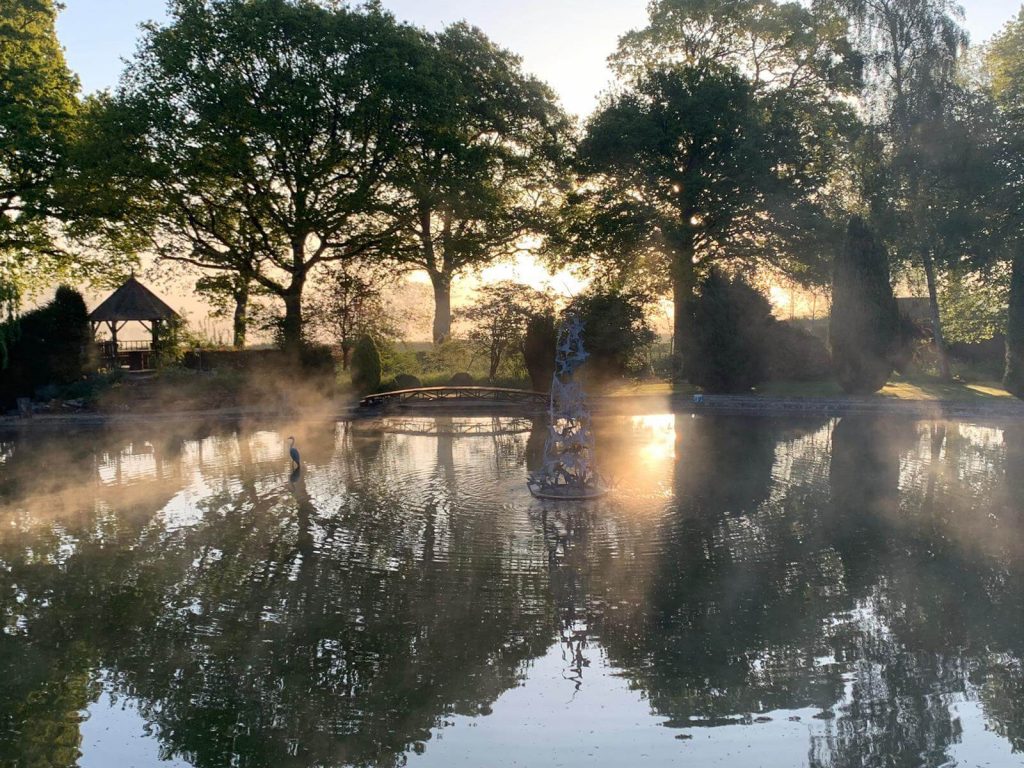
x,y
294,452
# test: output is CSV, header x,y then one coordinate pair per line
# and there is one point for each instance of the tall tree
x,y
38,105
258,134
911,49
719,147
864,324
484,151
1006,65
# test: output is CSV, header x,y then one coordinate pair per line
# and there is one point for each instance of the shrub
x,y
366,366
450,355
539,351
727,352
49,346
317,359
795,354
864,325
405,381
616,333
461,379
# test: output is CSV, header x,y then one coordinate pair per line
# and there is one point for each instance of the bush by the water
x,y
730,321
405,381
50,346
366,367
461,379
616,330
864,327
795,354
539,351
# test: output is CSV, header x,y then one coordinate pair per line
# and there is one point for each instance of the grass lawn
x,y
917,387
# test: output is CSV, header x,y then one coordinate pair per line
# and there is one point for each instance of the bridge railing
x,y
455,395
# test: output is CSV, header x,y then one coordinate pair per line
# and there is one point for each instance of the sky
x,y
564,42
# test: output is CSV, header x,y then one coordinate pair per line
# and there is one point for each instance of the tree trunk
x,y
684,282
1013,376
292,326
495,363
933,305
442,306
241,316
346,355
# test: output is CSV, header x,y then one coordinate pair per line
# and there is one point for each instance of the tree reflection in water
x,y
863,570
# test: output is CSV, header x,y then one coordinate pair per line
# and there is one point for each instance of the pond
x,y
754,592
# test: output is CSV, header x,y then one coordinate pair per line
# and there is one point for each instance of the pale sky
x,y
564,42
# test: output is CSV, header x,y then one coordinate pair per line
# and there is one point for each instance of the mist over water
x,y
773,592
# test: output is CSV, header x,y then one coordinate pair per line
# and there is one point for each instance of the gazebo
x,y
131,303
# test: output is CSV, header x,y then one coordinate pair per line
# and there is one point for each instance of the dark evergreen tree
x,y
730,321
864,326
366,366
50,346
539,350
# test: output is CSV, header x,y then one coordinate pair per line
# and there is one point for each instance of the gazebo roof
x,y
132,301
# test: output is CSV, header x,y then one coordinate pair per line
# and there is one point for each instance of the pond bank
x,y
999,409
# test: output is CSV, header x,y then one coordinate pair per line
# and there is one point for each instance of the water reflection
x,y
833,593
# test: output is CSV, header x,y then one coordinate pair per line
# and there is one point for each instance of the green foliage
x,y
51,346
974,305
38,106
485,150
1013,375
539,348
864,325
795,354
366,365
616,334
405,381
727,352
1005,62
696,164
499,318
231,156
450,355
351,303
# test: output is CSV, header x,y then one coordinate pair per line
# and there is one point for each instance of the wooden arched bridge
x,y
456,396
445,426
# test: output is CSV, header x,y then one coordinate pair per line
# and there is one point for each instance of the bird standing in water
x,y
294,452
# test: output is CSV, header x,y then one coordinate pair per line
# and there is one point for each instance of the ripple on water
x,y
821,589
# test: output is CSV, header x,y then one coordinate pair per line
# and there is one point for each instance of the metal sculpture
x,y
569,470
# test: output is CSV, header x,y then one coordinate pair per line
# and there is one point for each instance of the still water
x,y
755,592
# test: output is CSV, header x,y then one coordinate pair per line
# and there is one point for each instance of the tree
x,y
616,331
50,346
731,321
911,50
352,304
484,150
864,324
540,344
499,320
38,105
229,293
366,365
257,135
714,151
1006,65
